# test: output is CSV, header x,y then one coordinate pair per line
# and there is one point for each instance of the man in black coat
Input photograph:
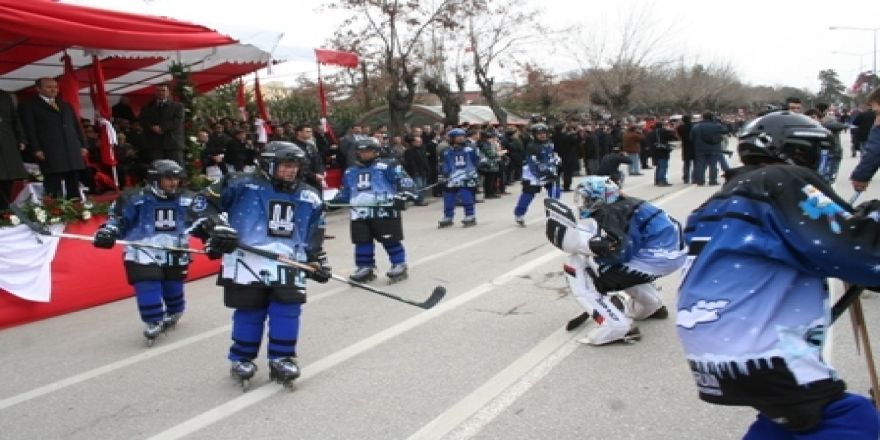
x,y
687,146
162,120
12,143
55,139
123,110
566,144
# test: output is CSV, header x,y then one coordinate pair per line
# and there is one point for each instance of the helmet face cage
x,y
593,192
164,168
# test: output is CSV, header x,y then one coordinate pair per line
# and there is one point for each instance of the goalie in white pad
x,y
617,243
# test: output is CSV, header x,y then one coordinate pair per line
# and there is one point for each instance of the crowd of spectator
x,y
223,145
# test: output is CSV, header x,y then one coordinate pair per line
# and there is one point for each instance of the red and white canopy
x,y
135,49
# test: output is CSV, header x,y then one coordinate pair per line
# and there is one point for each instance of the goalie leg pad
x,y
644,300
602,308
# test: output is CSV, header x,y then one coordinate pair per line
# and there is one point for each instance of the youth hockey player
x,y
153,214
373,186
541,169
458,171
753,306
619,243
277,212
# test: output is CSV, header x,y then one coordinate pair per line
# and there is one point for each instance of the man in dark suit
x,y
12,143
162,120
55,139
123,110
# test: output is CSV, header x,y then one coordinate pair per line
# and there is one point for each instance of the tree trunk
x,y
486,90
401,94
448,100
365,83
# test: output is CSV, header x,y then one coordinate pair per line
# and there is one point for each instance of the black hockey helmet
x,y
164,168
539,128
367,144
276,152
783,136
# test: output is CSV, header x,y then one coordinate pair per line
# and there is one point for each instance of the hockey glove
x,y
399,202
869,208
222,240
105,237
321,274
605,247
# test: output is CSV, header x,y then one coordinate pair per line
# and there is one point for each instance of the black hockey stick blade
x,y
577,322
437,295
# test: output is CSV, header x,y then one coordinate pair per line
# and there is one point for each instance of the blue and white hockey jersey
x,y
370,188
653,243
542,164
279,221
753,306
141,216
458,164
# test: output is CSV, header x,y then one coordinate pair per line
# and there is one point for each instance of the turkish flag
x,y
240,101
68,87
337,58
99,100
261,106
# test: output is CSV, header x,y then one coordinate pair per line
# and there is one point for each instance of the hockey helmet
x,y
455,132
164,168
277,152
783,136
367,145
539,128
593,192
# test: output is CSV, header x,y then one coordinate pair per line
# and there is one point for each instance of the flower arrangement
x,y
55,211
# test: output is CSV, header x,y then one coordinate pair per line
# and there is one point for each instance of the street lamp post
x,y
874,30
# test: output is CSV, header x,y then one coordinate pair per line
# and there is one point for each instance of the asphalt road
x,y
492,361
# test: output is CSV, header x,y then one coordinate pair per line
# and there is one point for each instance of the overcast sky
x,y
767,42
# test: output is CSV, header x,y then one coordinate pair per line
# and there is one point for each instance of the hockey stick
x,y
858,317
42,229
436,295
577,321
846,300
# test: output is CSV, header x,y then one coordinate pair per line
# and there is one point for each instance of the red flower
x,y
56,211
197,164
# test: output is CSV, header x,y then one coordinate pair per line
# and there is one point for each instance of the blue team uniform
x,y
458,165
280,221
371,188
157,275
753,305
541,169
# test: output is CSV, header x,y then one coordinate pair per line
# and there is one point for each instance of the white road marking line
x,y
222,412
472,414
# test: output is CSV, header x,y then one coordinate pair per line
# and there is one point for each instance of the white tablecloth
x,y
26,262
